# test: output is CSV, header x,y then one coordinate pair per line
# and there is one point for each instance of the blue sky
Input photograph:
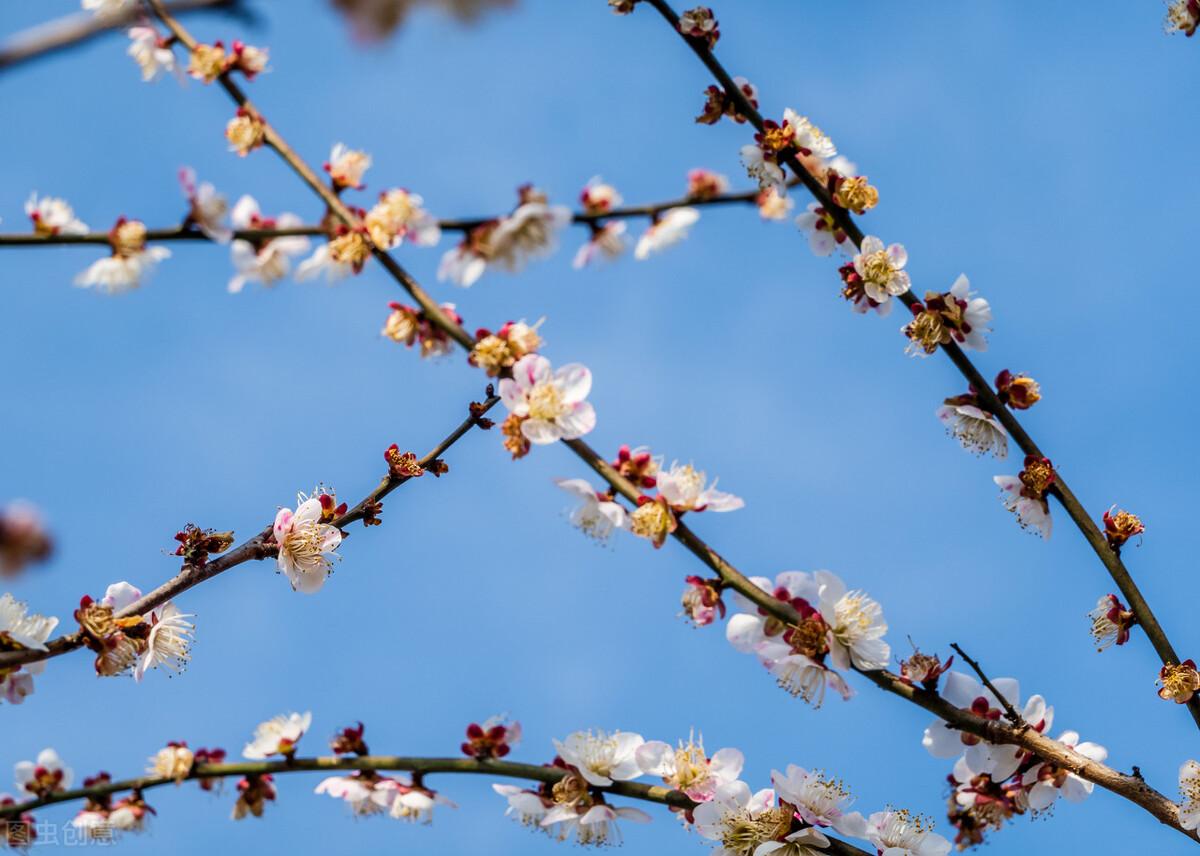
x,y
1036,149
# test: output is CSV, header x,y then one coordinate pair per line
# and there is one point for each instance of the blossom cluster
x,y
134,644
834,625
992,783
680,489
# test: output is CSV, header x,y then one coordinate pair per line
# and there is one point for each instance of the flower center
x,y
545,402
877,267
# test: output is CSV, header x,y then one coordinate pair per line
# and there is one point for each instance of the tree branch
x,y
423,766
54,36
1075,510
189,233
255,549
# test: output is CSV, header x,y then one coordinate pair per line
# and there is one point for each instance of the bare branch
x,y
1009,711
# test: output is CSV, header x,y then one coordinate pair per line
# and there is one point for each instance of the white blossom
x,y
44,776
687,768
856,625
207,206
1189,791
671,228
151,55
263,261
683,487
899,833
977,430
552,404
306,544
882,269
602,758
52,215
607,242
277,736
365,795
596,516
169,642
819,800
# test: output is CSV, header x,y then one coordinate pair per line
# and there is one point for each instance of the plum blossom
x,y
21,630
981,757
131,260
824,234
530,232
23,537
699,23
1178,682
346,166
415,803
718,103
800,674
1047,781
343,254
597,516
1111,622
528,807
668,230
856,625
1019,391
773,205
277,736
365,792
245,132
266,261
551,404
152,54
602,757
594,825
1120,527
409,325
47,775
777,141
173,761
900,833
748,628
701,600
606,242
687,768
1189,791
207,207
169,642
881,269
398,216
746,824
306,543
683,487
1183,16
495,738
977,430
955,316
495,352
52,215
1025,494
705,184
599,198
818,799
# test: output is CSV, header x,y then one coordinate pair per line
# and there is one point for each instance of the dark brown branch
x,y
255,549
987,397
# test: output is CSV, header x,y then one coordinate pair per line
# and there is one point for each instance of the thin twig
x,y
1009,711
420,766
73,30
190,233
987,397
259,547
